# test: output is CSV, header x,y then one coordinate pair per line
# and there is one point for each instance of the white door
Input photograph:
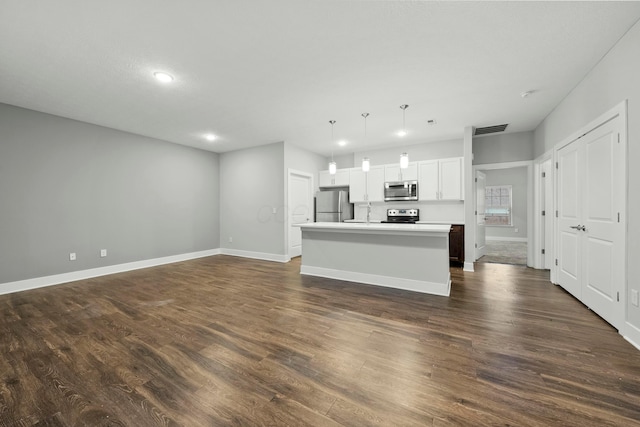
x,y
300,208
601,255
569,217
481,183
591,238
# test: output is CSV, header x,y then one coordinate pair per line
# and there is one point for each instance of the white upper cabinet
x,y
451,182
340,179
429,182
368,186
394,173
437,180
441,179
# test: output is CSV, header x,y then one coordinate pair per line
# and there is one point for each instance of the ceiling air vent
x,y
490,129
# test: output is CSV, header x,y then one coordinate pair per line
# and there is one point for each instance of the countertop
x,y
377,228
377,221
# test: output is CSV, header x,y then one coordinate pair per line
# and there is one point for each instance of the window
x,y
498,205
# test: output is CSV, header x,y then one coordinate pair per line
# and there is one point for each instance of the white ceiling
x,y
256,72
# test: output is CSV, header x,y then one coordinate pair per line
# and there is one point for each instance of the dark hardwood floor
x,y
229,341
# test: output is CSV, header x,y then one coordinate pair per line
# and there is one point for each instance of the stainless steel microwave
x,y
400,191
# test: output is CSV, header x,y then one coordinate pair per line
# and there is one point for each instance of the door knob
x,y
576,227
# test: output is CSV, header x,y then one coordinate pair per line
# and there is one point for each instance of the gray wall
x,y
517,178
613,80
303,160
343,161
251,185
68,186
503,148
426,151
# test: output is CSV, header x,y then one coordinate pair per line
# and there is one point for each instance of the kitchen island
x,y
413,257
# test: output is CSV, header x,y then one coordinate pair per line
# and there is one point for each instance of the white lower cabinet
x,y
366,186
441,179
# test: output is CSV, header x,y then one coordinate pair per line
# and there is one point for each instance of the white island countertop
x,y
377,227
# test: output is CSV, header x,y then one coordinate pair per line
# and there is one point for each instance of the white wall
x,y
251,186
68,186
613,80
517,178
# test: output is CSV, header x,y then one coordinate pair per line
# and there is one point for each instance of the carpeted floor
x,y
503,252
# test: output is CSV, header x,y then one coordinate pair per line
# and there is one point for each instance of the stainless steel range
x,y
402,216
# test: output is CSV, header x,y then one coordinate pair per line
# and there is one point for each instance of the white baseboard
x,y
40,282
632,334
468,266
373,279
255,255
506,239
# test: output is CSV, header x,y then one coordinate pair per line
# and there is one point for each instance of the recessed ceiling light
x,y
342,143
210,137
163,77
402,133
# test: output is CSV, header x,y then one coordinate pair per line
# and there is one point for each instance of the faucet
x,y
368,206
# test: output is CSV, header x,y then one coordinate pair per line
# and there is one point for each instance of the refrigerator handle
x,y
339,206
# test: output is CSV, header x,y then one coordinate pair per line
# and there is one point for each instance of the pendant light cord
x,y
404,108
332,123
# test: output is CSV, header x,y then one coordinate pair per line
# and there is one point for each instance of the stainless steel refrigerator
x,y
333,206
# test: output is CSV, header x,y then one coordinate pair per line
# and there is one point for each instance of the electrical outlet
x,y
72,256
274,210
515,230
634,297
103,253
230,239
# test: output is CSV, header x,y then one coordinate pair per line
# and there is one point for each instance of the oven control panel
x,y
402,212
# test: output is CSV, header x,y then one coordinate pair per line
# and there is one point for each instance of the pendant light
x,y
404,157
404,161
332,164
366,165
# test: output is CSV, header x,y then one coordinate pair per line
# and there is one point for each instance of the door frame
x,y
289,217
479,252
619,111
509,165
538,220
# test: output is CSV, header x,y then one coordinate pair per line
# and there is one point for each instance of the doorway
x,y
300,208
504,227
